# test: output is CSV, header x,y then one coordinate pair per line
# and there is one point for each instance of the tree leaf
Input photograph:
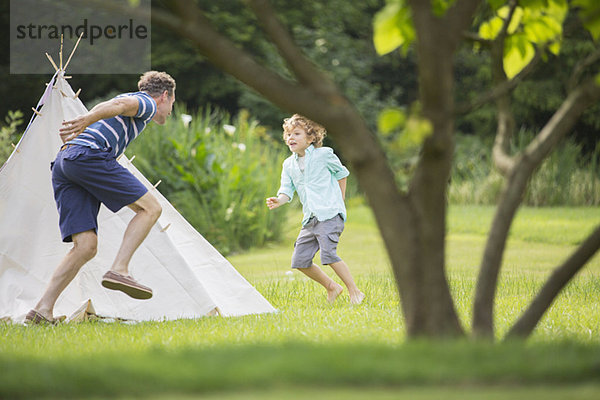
x,y
393,28
490,29
516,19
554,48
518,52
414,134
391,119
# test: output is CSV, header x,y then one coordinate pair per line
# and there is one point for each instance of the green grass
x,y
582,392
313,349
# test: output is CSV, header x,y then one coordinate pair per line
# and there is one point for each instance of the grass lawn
x,y
311,349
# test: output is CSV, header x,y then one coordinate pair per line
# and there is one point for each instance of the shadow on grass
x,y
250,367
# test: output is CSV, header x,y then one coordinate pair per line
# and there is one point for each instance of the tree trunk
x,y
510,198
525,164
437,40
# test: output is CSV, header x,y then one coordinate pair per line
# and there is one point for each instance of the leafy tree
x,y
518,35
412,219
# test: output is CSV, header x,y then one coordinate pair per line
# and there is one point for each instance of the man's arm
x,y
127,106
342,183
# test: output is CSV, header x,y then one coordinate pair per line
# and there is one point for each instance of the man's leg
x,y
342,270
315,273
147,211
84,249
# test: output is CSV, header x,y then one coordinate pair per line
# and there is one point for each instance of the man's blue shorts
x,y
83,178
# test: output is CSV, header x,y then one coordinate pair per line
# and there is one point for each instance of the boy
x,y
319,177
85,173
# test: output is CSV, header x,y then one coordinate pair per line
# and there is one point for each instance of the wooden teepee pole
x,y
52,61
60,53
73,51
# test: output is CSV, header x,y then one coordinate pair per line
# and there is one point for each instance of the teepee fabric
x,y
189,277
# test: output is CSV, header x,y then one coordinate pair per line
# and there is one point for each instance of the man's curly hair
x,y
312,129
155,83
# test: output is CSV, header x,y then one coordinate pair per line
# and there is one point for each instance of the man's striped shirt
x,y
114,134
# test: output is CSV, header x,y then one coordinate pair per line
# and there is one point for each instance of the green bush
x,y
9,134
217,173
565,178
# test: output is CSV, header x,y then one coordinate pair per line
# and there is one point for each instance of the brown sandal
x,y
35,318
126,284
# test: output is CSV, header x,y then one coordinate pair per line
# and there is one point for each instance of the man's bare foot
x,y
333,291
357,298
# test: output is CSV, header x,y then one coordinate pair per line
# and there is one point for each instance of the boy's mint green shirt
x,y
317,186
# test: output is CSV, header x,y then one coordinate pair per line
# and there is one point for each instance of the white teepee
x,y
189,277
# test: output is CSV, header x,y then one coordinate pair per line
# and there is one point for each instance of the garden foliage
x,y
217,172
8,134
565,178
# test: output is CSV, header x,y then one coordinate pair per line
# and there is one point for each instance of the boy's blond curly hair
x,y
312,129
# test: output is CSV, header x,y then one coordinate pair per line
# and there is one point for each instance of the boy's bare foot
x,y
357,298
333,291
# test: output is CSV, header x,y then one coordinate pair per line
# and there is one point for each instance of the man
x,y
86,173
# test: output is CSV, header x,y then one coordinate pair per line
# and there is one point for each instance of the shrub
x,y
217,173
565,178
9,134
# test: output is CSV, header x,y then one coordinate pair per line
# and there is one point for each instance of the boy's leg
x,y
328,238
84,249
342,270
147,211
315,273
305,248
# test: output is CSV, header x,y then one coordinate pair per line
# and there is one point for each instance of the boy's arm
x,y
285,192
342,183
334,165
127,106
274,202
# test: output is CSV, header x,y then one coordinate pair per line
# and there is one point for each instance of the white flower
x,y
335,62
229,129
229,211
320,42
240,146
186,119
207,130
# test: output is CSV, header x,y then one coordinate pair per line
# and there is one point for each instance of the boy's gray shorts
x,y
316,235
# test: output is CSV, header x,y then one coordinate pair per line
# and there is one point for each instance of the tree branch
x,y
475,38
189,22
303,68
557,281
506,121
502,88
561,122
580,68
